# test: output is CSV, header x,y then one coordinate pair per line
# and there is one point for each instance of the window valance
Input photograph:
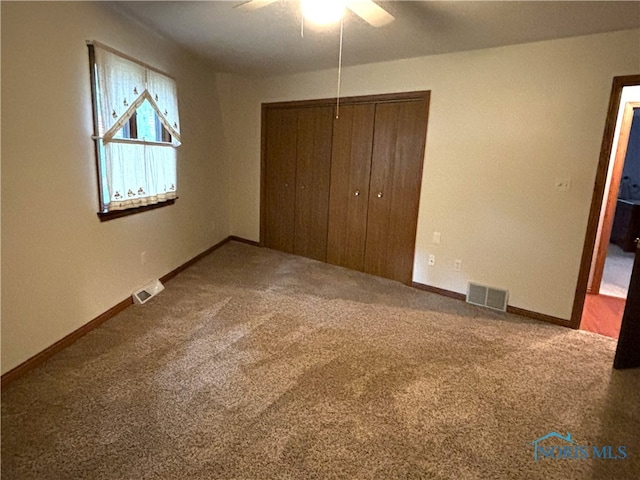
x,y
124,85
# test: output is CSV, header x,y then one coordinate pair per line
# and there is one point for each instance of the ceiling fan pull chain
x,y
339,68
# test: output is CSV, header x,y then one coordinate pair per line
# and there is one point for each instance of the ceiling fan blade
x,y
371,13
254,4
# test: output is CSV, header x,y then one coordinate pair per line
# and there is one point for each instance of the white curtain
x,y
122,84
138,173
164,98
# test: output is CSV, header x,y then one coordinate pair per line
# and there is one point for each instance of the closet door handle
x,y
379,194
357,193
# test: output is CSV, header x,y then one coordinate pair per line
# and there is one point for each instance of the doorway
x,y
619,226
607,257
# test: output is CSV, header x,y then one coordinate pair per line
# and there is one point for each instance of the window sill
x,y
106,216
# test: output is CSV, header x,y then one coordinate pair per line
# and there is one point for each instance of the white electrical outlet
x,y
436,238
457,265
432,260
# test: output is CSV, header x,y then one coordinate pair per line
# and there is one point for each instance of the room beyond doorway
x,y
605,270
617,272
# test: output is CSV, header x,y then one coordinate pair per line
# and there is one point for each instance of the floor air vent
x,y
145,293
487,297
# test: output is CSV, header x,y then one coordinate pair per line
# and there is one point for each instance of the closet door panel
x,y
407,180
380,192
349,193
396,175
280,178
313,172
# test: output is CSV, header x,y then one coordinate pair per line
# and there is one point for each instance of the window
x,y
145,125
137,131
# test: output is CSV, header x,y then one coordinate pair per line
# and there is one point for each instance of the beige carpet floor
x,y
255,364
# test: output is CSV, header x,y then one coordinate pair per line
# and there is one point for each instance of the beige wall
x,y
240,101
504,124
61,267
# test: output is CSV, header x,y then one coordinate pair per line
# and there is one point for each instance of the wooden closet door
x,y
313,172
280,178
349,194
394,196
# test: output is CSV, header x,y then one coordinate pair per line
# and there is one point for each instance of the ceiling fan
x,y
330,11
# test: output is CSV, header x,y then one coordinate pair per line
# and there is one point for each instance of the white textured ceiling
x,y
268,42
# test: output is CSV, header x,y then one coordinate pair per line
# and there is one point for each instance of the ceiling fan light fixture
x,y
322,12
